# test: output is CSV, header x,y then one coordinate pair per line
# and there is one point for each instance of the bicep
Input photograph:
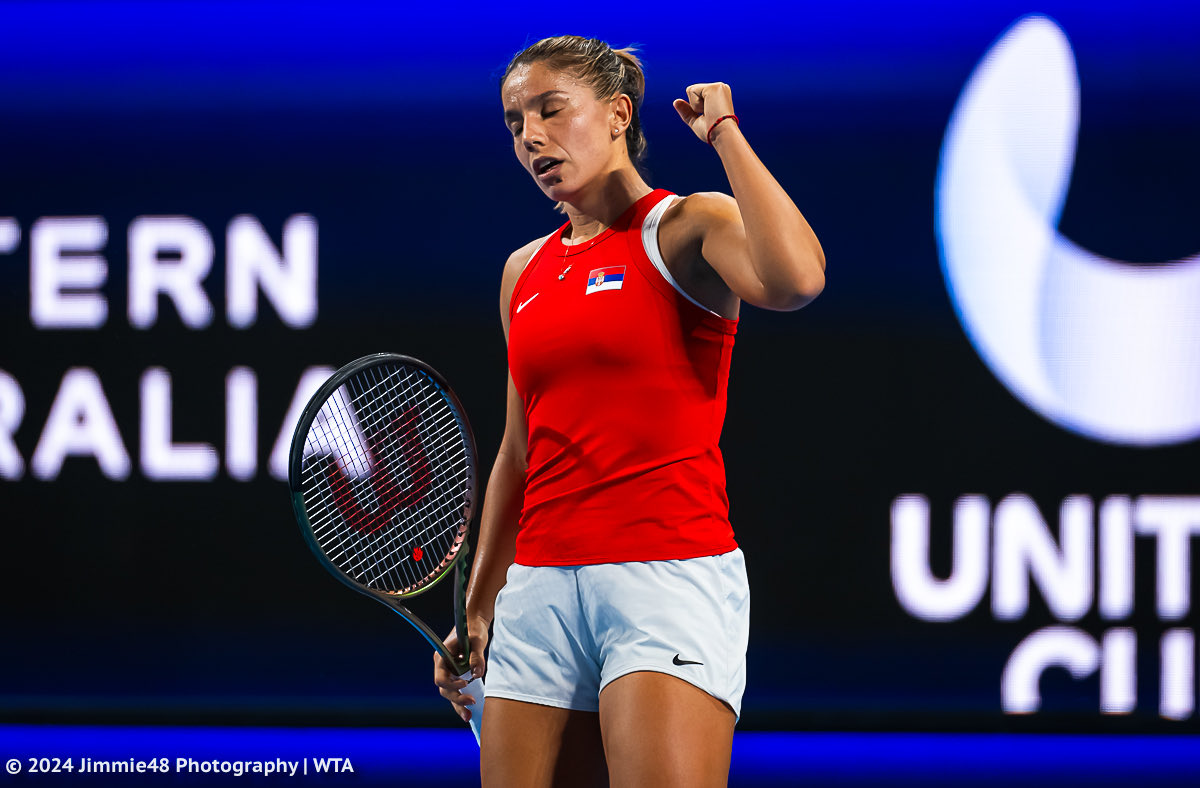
x,y
716,223
723,237
781,269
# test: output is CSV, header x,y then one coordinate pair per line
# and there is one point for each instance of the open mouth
x,y
547,166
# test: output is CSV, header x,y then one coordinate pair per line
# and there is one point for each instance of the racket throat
x,y
457,664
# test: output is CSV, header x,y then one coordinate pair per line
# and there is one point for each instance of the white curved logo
x,y
1105,348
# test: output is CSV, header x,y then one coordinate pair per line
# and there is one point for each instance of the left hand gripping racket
x,y
382,472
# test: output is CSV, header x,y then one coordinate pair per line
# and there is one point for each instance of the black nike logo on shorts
x,y
679,661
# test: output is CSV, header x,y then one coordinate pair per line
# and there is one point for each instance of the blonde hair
x,y
608,71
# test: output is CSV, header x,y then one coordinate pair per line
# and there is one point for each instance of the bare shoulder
x,y
693,214
687,229
687,222
520,258
515,265
513,268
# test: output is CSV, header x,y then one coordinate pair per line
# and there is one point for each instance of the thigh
x,y
662,731
527,745
686,618
541,650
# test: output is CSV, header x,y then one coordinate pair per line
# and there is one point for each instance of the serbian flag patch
x,y
610,278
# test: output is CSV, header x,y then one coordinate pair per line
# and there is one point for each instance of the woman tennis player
x,y
606,563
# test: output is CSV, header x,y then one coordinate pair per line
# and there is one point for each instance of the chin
x,y
557,191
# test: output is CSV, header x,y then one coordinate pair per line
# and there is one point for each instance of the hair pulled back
x,y
606,70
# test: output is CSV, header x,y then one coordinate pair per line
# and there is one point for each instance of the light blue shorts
x,y
562,633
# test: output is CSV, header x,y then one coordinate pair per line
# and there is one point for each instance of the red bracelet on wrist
x,y
718,120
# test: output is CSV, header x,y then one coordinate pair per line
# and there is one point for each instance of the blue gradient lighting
x,y
184,54
449,757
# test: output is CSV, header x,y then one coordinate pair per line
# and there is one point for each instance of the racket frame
x,y
462,665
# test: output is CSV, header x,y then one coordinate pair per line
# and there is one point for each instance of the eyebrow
x,y
512,113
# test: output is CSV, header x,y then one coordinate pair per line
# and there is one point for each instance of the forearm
x,y
784,250
497,544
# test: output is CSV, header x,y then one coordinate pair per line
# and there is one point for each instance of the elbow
x,y
810,280
796,299
811,290
800,289
511,459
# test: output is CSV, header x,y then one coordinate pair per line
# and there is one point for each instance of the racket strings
x,y
448,446
372,555
442,503
357,558
445,441
382,557
386,475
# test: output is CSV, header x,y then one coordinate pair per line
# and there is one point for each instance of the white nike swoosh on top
x,y
522,305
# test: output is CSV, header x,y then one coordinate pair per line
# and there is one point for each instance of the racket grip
x,y
475,690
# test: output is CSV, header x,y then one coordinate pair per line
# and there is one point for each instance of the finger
x,y
461,711
720,99
478,663
454,696
460,706
441,668
686,114
439,662
695,94
450,681
443,676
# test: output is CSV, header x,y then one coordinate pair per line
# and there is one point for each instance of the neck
x,y
594,210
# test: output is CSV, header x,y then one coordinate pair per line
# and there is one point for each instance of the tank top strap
x,y
632,220
660,278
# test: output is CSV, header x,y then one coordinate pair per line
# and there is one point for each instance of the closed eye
x,y
516,127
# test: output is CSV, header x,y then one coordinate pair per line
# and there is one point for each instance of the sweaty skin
x,y
756,246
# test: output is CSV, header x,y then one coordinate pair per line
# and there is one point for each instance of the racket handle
x,y
475,690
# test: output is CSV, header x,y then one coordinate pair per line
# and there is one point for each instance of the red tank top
x,y
624,382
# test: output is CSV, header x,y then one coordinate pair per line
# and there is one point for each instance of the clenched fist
x,y
706,102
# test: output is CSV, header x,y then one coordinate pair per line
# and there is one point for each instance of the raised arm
x,y
758,242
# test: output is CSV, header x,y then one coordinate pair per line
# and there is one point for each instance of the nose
x,y
532,132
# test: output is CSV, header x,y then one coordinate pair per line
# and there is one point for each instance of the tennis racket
x,y
382,473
